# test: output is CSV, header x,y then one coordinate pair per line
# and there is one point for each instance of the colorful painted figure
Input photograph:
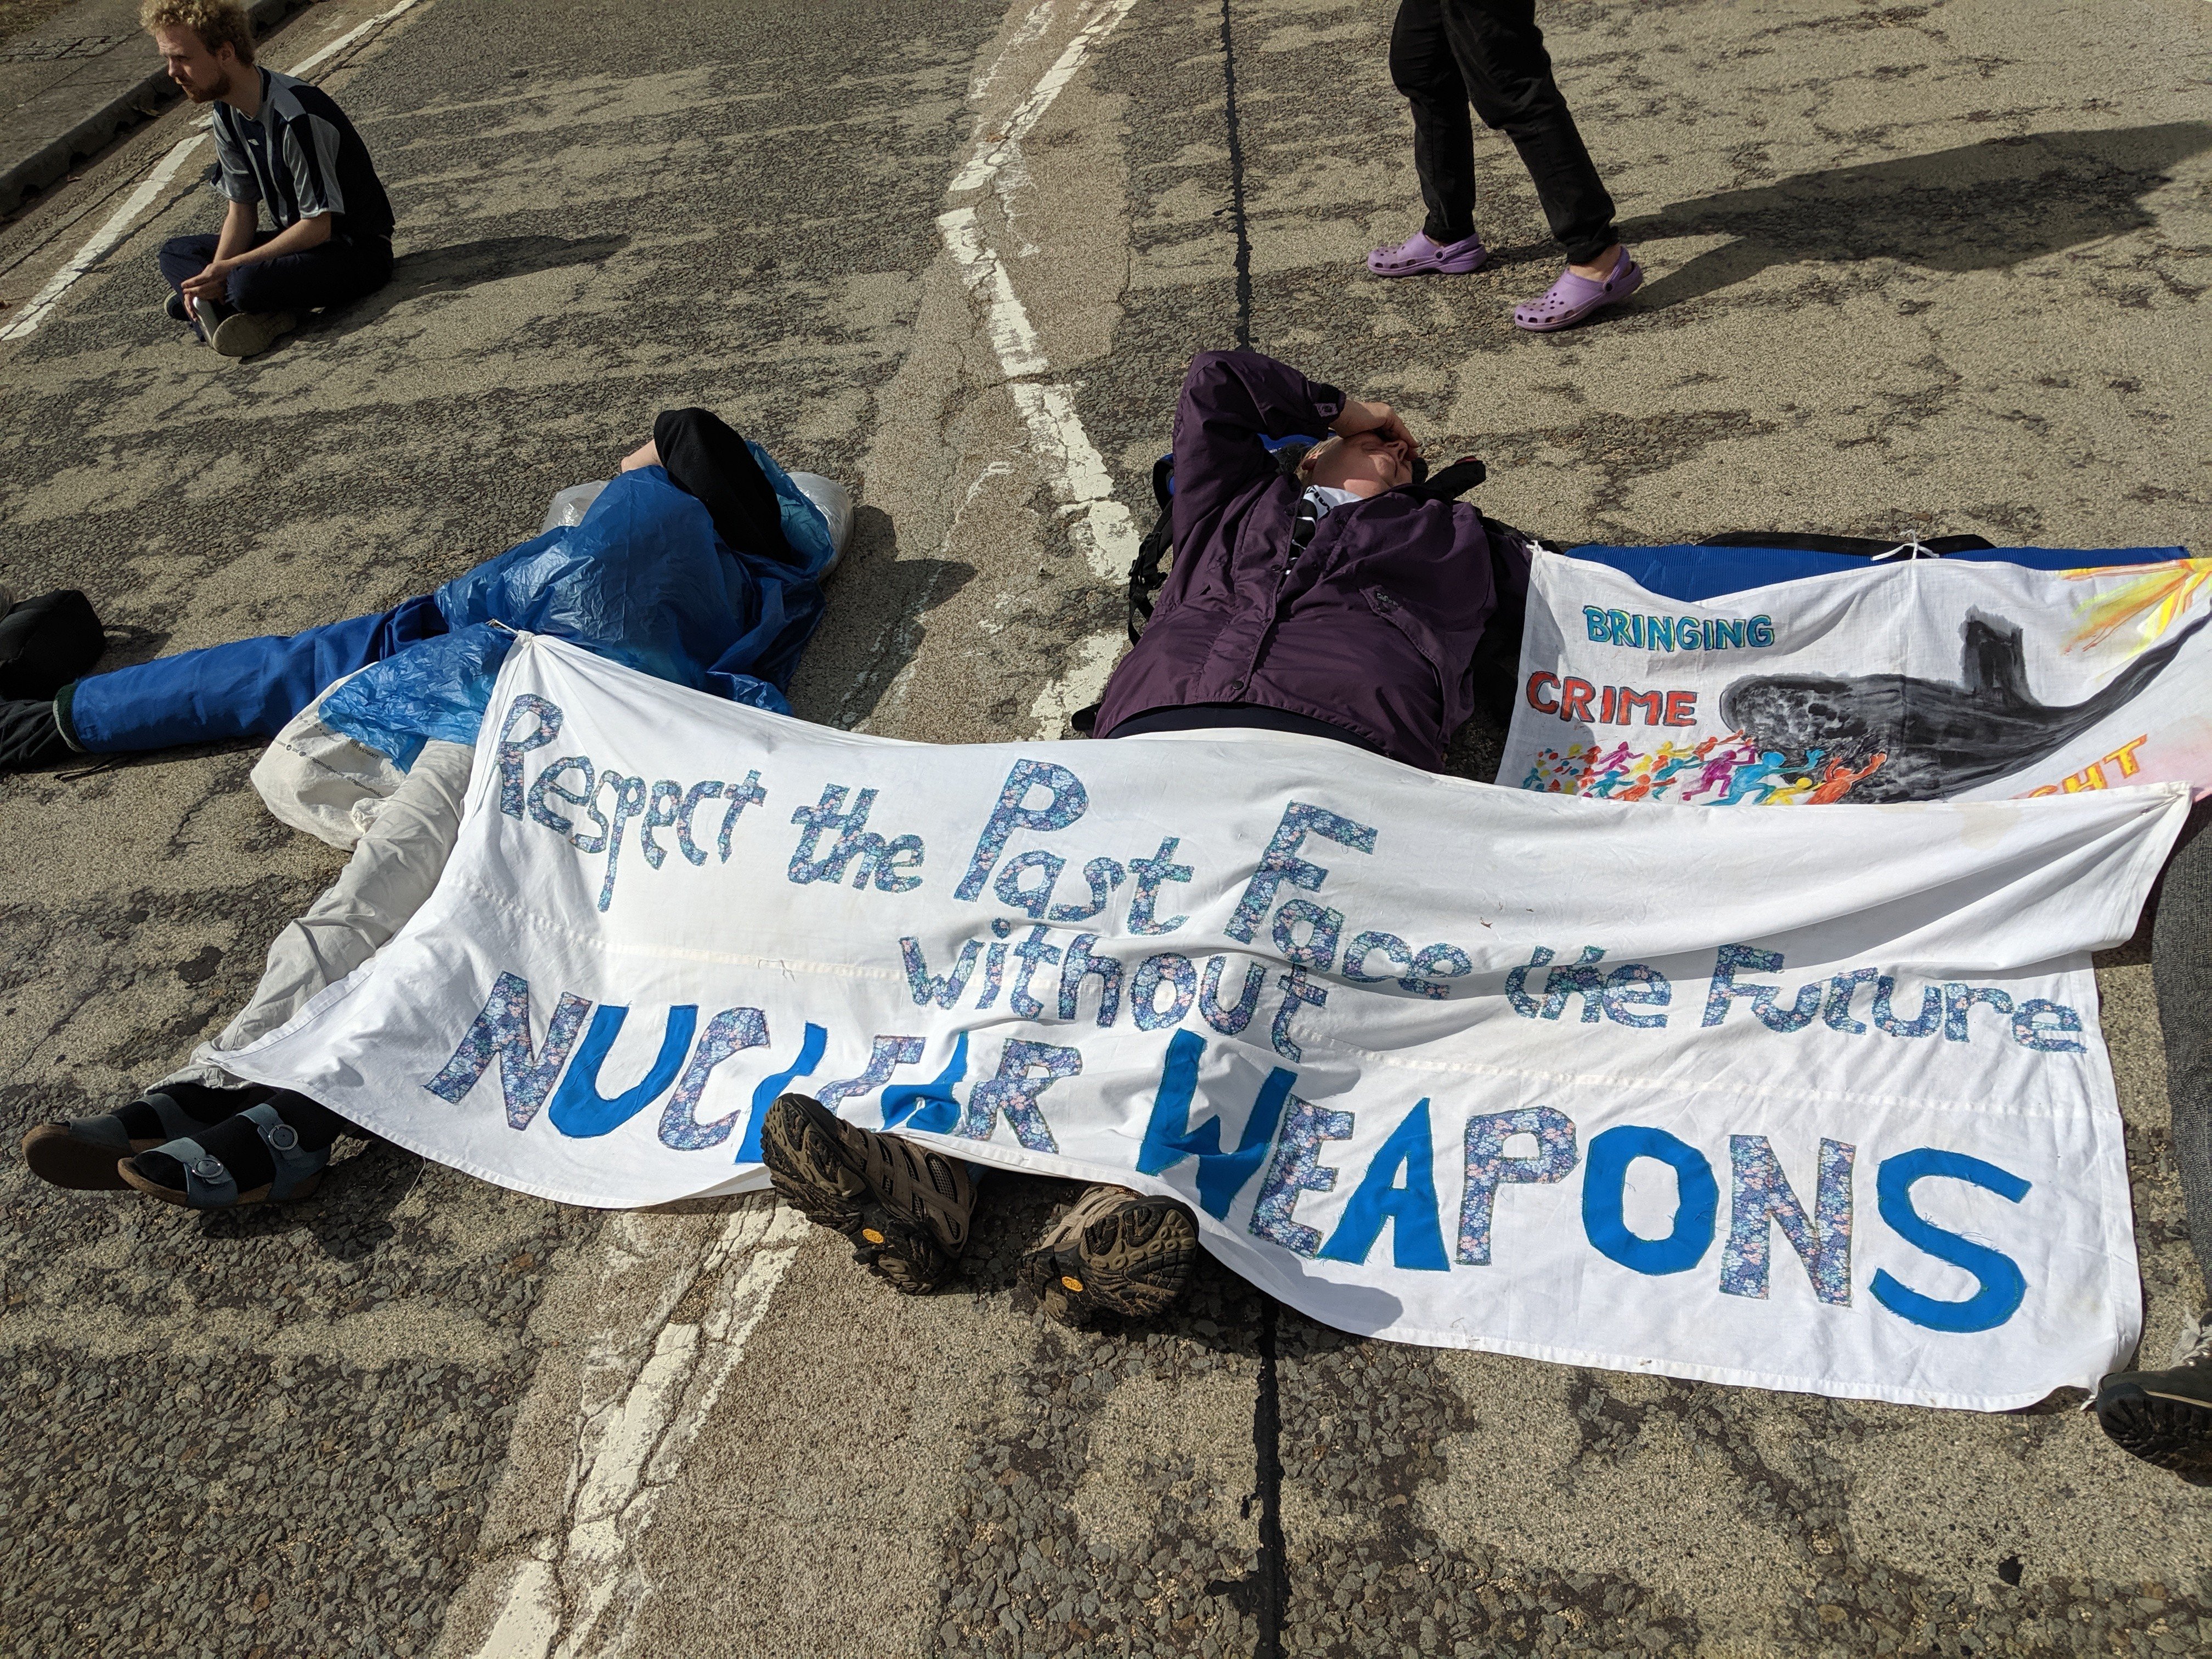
x,y
1752,779
1718,769
1836,783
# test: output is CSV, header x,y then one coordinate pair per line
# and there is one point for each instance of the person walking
x,y
284,144
1448,54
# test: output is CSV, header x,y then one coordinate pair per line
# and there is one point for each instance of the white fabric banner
x,y
1810,1102
1908,680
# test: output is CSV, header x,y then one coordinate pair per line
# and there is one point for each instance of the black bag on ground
x,y
46,643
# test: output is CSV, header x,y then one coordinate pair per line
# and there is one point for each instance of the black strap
x,y
1494,671
1304,523
1864,547
1447,484
1148,570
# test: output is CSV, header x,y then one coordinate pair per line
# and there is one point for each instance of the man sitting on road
x,y
279,142
1346,598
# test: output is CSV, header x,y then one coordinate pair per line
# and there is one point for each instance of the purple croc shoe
x,y
1573,299
1416,254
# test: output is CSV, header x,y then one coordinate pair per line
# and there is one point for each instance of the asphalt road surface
x,y
1936,266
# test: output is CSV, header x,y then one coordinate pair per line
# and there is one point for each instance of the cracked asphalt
x,y
1932,267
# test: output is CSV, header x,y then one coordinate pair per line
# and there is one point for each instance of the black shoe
x,y
47,641
2165,1417
175,305
1115,1251
905,1208
29,736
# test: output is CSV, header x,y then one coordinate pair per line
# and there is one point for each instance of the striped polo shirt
x,y
302,158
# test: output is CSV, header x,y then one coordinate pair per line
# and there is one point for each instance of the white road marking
x,y
628,1451
110,235
1031,28
1077,472
315,59
993,152
104,240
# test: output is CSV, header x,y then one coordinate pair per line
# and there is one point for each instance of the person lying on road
x,y
699,563
1345,597
697,581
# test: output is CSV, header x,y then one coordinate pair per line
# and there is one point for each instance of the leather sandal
x,y
81,1152
209,1183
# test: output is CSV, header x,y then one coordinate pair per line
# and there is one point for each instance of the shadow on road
x,y
1981,207
879,597
449,269
349,1217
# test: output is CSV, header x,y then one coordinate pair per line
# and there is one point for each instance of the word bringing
x,y
1640,633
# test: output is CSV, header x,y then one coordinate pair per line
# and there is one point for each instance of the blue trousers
x,y
329,274
248,688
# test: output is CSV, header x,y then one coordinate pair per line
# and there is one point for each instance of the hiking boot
x,y
905,1208
2165,1417
1115,1252
250,333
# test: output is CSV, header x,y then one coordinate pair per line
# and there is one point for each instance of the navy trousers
x,y
248,688
329,274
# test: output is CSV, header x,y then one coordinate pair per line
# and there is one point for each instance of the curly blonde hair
x,y
217,22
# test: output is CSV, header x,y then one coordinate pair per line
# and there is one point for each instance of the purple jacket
x,y
1374,630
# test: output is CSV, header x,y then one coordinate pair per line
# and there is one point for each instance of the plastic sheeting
x,y
643,580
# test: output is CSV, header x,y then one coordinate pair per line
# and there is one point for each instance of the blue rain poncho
x,y
644,581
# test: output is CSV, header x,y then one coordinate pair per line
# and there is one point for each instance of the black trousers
x,y
328,273
1448,54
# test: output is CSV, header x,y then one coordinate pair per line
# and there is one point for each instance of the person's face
x,y
1366,461
202,76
